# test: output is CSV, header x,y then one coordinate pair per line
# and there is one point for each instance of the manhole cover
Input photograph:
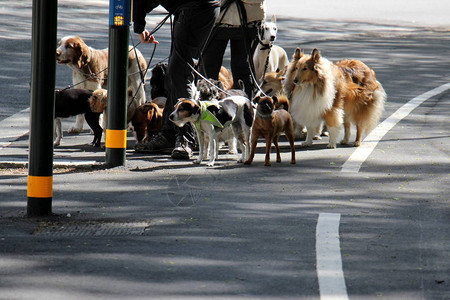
x,y
92,229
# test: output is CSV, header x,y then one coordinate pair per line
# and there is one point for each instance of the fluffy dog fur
x,y
98,102
235,111
72,102
226,78
322,91
211,90
273,82
270,123
90,70
278,58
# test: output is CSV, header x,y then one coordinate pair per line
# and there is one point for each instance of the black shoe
x,y
158,144
182,149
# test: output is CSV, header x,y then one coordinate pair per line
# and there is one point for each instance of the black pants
x,y
192,26
213,54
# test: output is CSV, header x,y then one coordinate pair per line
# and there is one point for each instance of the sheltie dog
x,y
345,92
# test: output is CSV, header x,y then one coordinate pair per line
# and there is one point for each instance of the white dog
x,y
208,117
266,50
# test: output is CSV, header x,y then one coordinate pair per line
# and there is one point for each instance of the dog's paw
x,y
74,130
357,143
197,161
210,164
248,162
267,164
293,162
344,142
306,144
317,138
331,146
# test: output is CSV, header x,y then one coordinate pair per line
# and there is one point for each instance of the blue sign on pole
x,y
119,12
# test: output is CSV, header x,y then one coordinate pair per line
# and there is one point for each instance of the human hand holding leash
x,y
146,38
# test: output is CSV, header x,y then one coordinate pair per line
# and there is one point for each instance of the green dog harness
x,y
206,115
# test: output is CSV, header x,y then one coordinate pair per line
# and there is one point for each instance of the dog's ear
x,y
195,108
273,19
315,54
297,54
256,99
144,108
275,100
150,113
102,95
281,72
83,49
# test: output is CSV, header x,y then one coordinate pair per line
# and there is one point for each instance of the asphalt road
x,y
235,232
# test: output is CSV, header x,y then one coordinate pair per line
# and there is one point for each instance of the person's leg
x,y
190,29
240,67
213,53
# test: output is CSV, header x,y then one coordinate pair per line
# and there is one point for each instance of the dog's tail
x,y
376,108
283,101
248,114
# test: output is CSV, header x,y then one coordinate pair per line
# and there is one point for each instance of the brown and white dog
x,y
90,70
212,90
273,82
343,92
266,51
269,124
209,117
147,121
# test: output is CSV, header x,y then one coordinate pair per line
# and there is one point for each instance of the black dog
x,y
157,81
72,102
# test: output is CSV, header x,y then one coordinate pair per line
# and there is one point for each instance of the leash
x,y
207,80
142,74
265,47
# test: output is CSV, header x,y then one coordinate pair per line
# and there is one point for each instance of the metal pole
x,y
116,133
43,70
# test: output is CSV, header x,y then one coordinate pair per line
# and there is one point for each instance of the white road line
x,y
328,256
353,164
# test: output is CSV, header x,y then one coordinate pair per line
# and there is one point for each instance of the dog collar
x,y
206,115
264,116
265,46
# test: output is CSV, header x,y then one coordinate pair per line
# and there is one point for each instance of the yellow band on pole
x,y
116,138
40,186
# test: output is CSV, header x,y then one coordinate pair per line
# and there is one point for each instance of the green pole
x,y
116,134
43,70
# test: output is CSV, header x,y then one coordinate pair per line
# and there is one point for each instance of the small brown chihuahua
x,y
270,123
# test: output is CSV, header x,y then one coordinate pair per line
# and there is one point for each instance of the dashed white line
x,y
353,164
328,258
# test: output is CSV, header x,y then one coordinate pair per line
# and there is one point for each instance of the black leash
x,y
243,16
